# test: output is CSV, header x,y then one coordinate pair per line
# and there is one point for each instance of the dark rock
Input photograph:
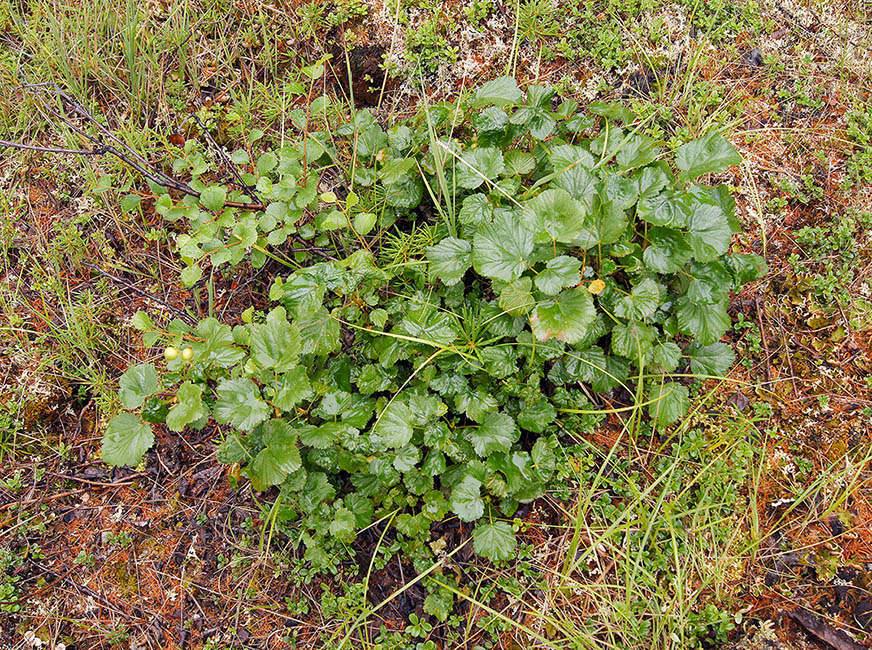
x,y
639,84
863,613
753,58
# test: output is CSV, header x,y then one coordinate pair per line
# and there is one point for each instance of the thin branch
x,y
181,314
126,154
225,159
30,147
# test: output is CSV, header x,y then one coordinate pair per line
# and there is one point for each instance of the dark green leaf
x,y
320,332
706,323
536,416
668,251
490,119
709,232
499,92
280,456
637,151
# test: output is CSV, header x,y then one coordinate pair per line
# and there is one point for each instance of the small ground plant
x,y
429,364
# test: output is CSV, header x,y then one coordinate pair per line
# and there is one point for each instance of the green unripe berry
x,y
170,353
187,354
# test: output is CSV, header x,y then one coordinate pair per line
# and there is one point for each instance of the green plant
x,y
831,260
859,132
345,11
9,590
428,45
477,12
437,377
537,20
85,559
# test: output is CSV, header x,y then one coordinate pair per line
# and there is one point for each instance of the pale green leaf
x,y
604,225
544,458
632,339
637,151
664,356
641,302
344,525
394,426
439,603
213,197
479,165
516,298
191,275
561,271
136,384
292,388
189,407
239,403
500,248
466,501
709,154
555,216
497,432
670,402
276,344
126,439
566,317
475,210
494,541
450,259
